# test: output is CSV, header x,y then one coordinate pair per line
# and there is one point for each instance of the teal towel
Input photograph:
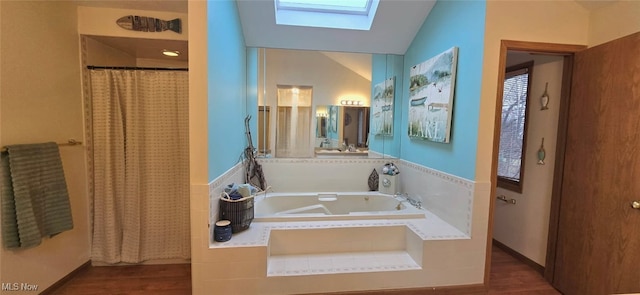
x,y
35,201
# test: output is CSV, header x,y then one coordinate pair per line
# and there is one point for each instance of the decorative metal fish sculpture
x,y
149,24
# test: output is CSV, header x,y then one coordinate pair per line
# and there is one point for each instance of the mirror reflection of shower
x,y
293,122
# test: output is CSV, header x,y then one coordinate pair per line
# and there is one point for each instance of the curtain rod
x,y
136,68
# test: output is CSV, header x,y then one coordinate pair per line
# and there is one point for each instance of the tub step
x,y
297,252
334,263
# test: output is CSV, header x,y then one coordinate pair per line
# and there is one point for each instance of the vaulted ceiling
x,y
395,25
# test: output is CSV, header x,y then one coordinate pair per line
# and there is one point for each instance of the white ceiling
x,y
395,25
360,63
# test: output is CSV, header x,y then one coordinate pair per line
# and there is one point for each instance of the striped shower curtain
x,y
140,165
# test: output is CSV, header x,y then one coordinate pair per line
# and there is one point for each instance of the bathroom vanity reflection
x,y
341,131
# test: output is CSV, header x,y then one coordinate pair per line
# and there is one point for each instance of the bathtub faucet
x,y
414,202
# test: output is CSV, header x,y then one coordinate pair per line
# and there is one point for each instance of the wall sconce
x,y
351,102
322,115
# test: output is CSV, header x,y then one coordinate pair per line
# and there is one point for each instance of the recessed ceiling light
x,y
172,53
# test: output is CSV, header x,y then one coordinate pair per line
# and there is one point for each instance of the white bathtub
x,y
332,206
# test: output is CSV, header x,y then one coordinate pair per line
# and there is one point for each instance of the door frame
x,y
568,51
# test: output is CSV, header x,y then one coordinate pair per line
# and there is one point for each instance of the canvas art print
x,y
431,87
382,107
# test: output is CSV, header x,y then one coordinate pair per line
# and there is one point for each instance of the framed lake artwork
x,y
382,107
431,93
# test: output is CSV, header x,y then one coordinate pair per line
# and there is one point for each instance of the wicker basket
x,y
239,212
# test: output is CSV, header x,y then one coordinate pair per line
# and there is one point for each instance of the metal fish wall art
x,y
149,24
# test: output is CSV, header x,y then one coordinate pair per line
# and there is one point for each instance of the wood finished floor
x,y
508,276
166,279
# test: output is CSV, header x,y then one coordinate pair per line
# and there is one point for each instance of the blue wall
x,y
450,23
384,66
227,67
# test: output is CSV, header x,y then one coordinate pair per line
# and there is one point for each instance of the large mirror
x,y
317,104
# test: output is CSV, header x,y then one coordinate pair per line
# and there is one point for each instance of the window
x,y
513,131
333,6
336,14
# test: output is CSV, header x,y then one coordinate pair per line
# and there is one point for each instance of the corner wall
x,y
459,24
41,100
198,141
227,82
442,175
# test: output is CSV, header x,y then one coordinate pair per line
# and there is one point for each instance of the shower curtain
x,y
140,165
293,133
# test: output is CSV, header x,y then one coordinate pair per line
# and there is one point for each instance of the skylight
x,y
338,14
332,6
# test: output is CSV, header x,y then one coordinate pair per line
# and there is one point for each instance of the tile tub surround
x,y
319,175
242,265
447,196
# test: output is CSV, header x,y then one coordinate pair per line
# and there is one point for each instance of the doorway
x,y
529,124
554,118
136,108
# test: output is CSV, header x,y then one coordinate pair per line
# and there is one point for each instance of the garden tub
x,y
273,207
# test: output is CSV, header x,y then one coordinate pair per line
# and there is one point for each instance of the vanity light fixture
x,y
322,114
351,102
172,53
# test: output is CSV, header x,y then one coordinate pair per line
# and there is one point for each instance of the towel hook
x,y
506,200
